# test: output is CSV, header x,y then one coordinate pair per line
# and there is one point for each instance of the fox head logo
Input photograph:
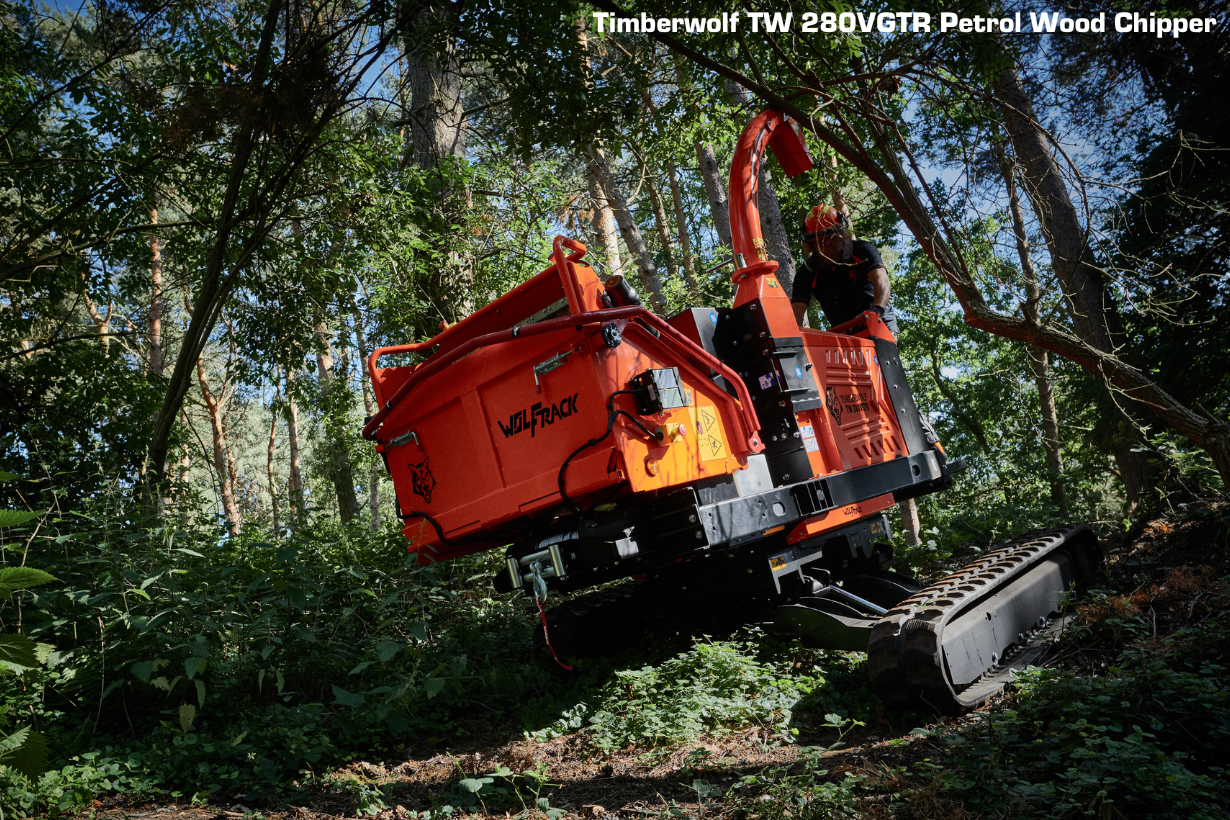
x,y
422,479
834,403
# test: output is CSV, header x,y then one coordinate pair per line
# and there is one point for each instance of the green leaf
x,y
13,742
474,784
200,692
187,713
194,666
14,518
14,578
141,671
344,698
385,650
193,553
7,476
25,751
18,651
418,630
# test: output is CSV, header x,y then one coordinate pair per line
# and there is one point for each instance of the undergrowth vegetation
x,y
177,664
251,671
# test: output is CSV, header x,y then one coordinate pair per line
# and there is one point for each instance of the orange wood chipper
x,y
724,458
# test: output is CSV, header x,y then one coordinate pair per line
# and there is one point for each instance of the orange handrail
x,y
568,277
744,412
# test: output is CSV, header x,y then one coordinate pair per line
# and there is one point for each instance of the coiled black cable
x,y
612,414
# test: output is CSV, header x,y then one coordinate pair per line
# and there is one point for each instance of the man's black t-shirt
x,y
842,289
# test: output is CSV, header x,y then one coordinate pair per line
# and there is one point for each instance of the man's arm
x,y
883,290
800,310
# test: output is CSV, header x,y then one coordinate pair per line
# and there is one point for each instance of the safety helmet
x,y
824,220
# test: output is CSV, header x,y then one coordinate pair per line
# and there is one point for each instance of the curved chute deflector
x,y
782,134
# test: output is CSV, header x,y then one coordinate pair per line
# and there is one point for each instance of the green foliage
x,y
805,789
267,663
1148,739
713,688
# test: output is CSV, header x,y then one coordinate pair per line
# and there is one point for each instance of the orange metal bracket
x,y
866,325
832,519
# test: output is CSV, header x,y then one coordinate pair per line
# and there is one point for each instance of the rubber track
x,y
905,651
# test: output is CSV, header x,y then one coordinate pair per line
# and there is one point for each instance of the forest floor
x,y
1165,582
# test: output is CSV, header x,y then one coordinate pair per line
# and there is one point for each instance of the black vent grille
x,y
812,497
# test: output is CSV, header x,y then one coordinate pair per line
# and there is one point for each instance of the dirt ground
x,y
1163,567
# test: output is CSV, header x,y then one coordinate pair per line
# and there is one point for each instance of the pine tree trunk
x,y
715,189
659,219
273,435
155,300
297,498
1038,361
773,226
604,223
222,458
369,407
332,401
681,228
631,232
711,173
910,524
438,142
1091,307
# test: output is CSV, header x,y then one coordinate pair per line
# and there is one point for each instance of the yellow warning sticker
x,y
709,436
777,562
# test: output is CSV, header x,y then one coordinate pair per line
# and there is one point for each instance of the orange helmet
x,y
824,219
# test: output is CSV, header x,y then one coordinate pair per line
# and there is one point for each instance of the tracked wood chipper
x,y
727,460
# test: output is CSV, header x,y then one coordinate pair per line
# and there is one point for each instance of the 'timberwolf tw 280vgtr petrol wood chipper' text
x,y
723,457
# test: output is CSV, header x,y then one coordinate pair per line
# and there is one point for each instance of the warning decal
x,y
809,437
777,562
709,434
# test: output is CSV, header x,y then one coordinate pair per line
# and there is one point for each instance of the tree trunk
x,y
715,189
1039,364
437,127
773,226
604,218
273,435
369,407
710,171
333,407
604,223
155,299
226,489
911,526
681,228
437,144
215,288
1091,307
628,228
297,499
681,223
659,218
